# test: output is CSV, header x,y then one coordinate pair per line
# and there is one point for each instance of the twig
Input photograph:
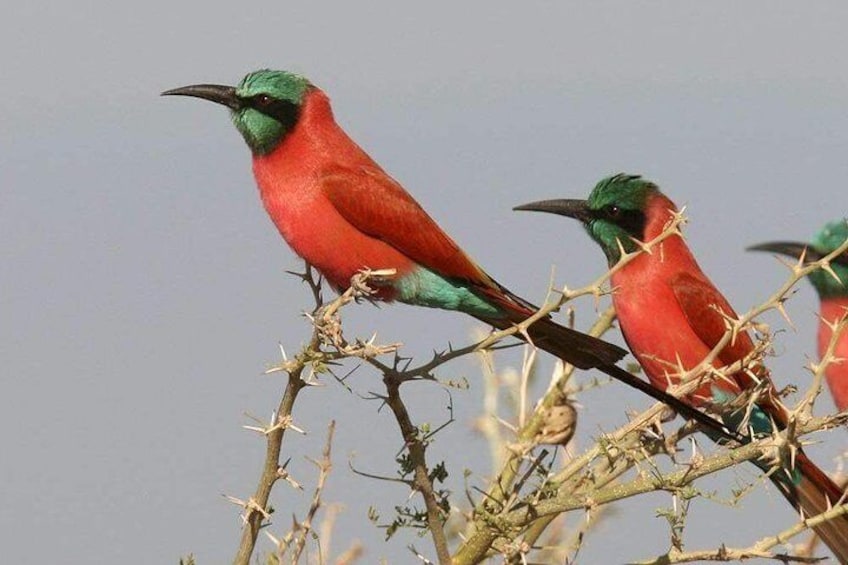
x,y
760,549
421,478
325,324
324,467
565,501
271,469
475,548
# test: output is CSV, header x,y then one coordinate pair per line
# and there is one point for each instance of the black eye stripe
x,y
284,111
631,221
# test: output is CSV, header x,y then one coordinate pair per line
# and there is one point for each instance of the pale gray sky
x,y
142,286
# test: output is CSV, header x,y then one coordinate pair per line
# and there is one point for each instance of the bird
x,y
832,289
341,212
672,316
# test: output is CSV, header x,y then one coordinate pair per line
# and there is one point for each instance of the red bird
x,y
672,316
833,294
342,213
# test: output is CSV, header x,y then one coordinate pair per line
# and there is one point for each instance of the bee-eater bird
x,y
672,316
342,213
833,295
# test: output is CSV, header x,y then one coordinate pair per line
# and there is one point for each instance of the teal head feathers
x,y
614,214
831,236
827,240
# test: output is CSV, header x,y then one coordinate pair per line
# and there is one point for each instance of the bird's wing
x,y
707,312
378,206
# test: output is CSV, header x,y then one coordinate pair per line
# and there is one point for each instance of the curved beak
x,y
792,249
796,249
573,208
217,93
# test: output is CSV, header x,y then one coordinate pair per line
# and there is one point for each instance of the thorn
x,y
506,424
282,473
236,501
623,256
802,258
273,539
295,428
250,506
645,247
779,307
829,270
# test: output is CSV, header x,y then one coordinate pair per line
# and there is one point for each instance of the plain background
x,y
142,288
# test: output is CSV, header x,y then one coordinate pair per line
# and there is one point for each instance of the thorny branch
x,y
516,509
414,443
624,448
324,467
326,329
256,508
300,530
329,324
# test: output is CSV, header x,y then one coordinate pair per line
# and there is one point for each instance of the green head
x,y
265,105
831,236
615,212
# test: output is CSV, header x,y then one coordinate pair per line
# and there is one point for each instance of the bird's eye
x,y
262,100
613,211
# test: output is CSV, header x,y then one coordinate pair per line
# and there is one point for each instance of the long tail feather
x,y
813,493
586,352
581,350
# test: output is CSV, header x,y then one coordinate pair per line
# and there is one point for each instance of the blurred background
x,y
142,287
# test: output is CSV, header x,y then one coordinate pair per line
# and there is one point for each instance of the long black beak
x,y
218,93
790,248
795,249
573,208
